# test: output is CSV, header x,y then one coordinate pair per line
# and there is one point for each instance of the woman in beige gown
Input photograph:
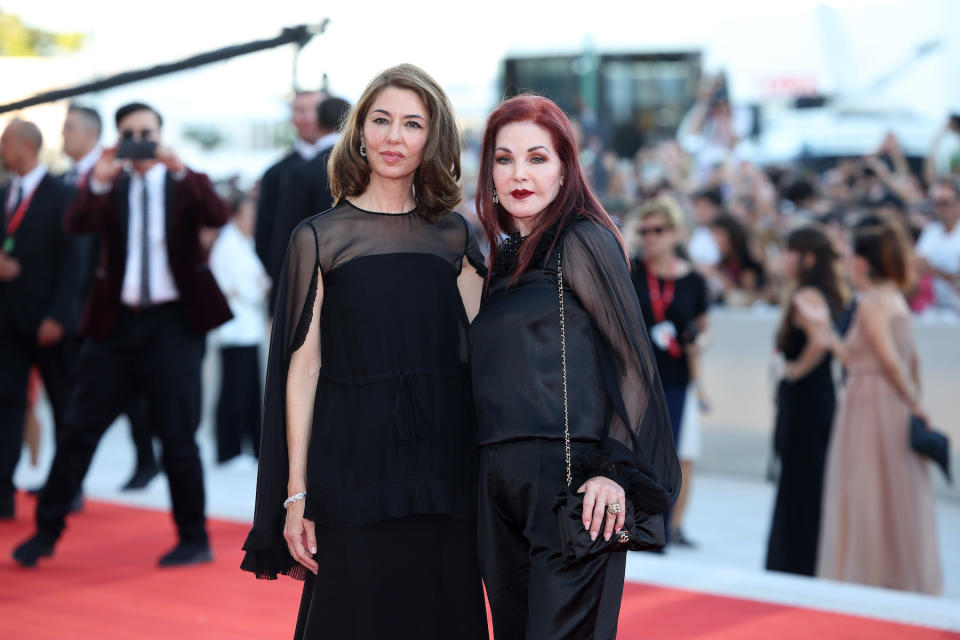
x,y
878,523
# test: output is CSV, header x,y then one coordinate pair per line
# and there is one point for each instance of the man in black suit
x,y
304,119
152,302
39,293
306,189
81,143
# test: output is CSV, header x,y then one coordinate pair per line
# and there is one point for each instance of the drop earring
x,y
495,199
363,150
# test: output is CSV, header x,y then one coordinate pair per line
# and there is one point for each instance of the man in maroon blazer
x,y
152,300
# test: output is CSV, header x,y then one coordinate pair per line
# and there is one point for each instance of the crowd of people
x,y
738,214
113,275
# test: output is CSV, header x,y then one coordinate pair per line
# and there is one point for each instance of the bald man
x,y
39,293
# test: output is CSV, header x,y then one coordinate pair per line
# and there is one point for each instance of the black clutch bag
x,y
930,443
640,532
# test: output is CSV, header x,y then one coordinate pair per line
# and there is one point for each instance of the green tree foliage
x,y
18,39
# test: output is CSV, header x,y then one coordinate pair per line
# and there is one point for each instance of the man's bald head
x,y
27,133
20,145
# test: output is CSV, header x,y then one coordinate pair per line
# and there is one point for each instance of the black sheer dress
x,y
805,409
391,476
617,416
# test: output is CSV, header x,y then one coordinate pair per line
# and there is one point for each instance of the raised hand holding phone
x,y
107,167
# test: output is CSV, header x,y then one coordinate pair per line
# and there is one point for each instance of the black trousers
x,y
534,593
155,354
139,416
18,352
239,408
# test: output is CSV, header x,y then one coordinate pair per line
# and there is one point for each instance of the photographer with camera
x,y
152,302
81,143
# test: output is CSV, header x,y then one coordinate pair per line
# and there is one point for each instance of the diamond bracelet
x,y
297,497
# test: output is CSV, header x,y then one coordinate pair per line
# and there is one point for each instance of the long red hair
x,y
575,194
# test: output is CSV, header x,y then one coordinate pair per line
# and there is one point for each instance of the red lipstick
x,y
521,194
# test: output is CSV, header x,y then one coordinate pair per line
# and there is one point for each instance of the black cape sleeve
x,y
266,550
471,249
638,451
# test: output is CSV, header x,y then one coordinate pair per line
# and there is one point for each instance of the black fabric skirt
x,y
804,420
415,577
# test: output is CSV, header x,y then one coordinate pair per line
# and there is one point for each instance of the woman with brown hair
x,y
559,308
877,525
806,400
367,483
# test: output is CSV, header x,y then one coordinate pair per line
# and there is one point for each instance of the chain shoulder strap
x,y
563,360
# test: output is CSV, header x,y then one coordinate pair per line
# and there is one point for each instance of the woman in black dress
x,y
532,190
368,436
806,401
673,298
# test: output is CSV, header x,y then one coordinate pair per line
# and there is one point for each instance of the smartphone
x,y
137,149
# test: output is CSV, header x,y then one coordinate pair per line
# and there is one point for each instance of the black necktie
x,y
70,177
145,249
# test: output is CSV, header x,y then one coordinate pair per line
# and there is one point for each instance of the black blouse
x,y
393,431
689,303
615,397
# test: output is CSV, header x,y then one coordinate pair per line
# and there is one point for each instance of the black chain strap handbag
x,y
641,532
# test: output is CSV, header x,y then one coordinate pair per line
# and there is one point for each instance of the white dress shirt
x,y
245,283
84,165
306,150
327,141
29,182
162,286
942,250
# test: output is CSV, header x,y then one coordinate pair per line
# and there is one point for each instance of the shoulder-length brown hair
x,y
823,274
885,248
436,183
575,196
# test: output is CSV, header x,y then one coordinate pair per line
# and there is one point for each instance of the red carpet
x,y
103,583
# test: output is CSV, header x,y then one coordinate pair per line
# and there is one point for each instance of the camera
x,y
131,149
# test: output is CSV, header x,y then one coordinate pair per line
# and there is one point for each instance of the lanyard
x,y
659,301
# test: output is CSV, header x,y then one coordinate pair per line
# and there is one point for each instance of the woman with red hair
x,y
564,381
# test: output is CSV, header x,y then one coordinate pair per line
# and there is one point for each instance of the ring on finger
x,y
614,508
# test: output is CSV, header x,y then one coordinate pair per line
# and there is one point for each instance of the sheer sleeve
x,y
471,249
638,450
266,550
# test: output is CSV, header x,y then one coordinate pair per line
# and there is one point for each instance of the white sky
x,y
455,41
463,43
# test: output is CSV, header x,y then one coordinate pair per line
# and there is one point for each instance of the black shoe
x,y
141,478
187,553
677,538
76,506
34,548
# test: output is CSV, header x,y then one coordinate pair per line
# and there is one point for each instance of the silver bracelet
x,y
297,497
